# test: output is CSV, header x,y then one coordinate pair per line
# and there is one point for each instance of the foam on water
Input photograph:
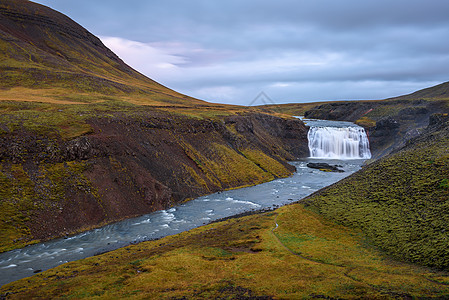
x,y
10,266
166,216
244,202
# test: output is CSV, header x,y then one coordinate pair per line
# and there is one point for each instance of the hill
x,y
438,92
85,140
46,57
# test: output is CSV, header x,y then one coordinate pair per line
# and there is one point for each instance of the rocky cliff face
x,y
132,164
86,140
389,123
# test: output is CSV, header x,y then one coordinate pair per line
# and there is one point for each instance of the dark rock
x,y
438,119
387,124
325,167
411,113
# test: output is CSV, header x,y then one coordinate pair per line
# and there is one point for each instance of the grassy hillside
x,y
46,57
438,92
291,109
291,253
400,202
367,112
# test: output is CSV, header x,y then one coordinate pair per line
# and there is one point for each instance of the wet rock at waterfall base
x,y
325,167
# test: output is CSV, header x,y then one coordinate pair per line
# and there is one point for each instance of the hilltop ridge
x,y
437,92
42,49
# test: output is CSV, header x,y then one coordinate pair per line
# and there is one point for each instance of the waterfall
x,y
338,142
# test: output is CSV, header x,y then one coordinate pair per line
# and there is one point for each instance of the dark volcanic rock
x,y
82,148
437,120
131,165
396,120
387,124
325,167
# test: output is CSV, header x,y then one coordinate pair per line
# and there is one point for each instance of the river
x,y
25,262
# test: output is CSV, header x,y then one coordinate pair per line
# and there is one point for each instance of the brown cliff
x,y
132,164
86,140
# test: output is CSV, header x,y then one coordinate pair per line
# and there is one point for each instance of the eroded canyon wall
x,y
132,164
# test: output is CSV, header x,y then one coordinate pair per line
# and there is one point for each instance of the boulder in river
x,y
325,167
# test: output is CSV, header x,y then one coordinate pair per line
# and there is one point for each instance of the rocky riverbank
x,y
86,140
130,164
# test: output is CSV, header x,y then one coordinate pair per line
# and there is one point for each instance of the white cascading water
x,y
338,143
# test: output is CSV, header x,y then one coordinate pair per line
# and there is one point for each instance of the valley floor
x,y
289,253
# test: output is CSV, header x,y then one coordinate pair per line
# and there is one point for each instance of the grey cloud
x,y
381,47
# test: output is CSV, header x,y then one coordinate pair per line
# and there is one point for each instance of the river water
x,y
25,262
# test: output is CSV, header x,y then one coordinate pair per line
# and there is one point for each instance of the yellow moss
x,y
365,122
22,194
193,179
16,203
231,128
226,167
266,163
305,255
233,166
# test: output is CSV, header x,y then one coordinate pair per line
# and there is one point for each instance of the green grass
x,y
305,257
400,202
24,193
292,109
265,162
226,167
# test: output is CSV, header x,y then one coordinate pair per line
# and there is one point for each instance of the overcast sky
x,y
293,50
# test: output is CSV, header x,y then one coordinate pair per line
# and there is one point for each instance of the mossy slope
x,y
302,257
86,140
68,168
400,202
47,57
